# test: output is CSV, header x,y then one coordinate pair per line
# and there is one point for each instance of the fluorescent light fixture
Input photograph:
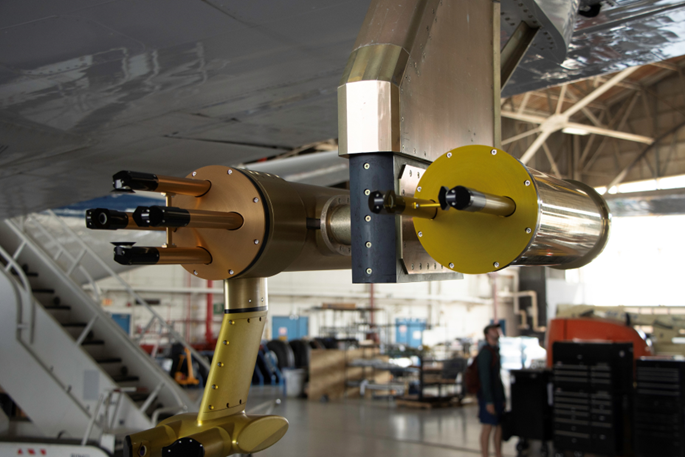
x,y
575,131
638,186
672,182
669,182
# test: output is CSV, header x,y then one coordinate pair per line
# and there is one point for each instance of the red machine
x,y
594,329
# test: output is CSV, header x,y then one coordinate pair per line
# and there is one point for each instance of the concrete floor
x,y
375,428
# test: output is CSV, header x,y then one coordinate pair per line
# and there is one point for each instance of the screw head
x,y
194,173
418,189
496,264
369,271
451,265
230,172
230,272
368,244
449,154
367,218
367,192
526,182
367,166
256,200
195,272
256,241
528,229
494,152
420,234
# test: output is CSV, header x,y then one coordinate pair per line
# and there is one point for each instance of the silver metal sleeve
x,y
573,224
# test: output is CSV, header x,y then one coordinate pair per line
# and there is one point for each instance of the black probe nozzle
x,y
106,219
127,181
131,255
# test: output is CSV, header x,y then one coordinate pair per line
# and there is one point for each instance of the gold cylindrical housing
x,y
281,222
215,219
391,203
247,294
556,223
182,186
292,246
187,256
339,224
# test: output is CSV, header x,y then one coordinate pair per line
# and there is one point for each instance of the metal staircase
x,y
64,361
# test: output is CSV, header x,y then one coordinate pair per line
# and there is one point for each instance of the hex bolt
x,y
420,234
526,182
528,229
194,173
368,244
230,272
418,189
256,200
367,192
367,218
496,264
256,241
230,172
451,265
369,271
494,152
449,155
367,166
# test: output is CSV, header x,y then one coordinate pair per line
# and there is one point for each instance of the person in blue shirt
x,y
491,399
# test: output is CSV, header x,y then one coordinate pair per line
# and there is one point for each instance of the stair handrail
x,y
27,240
113,274
27,302
62,249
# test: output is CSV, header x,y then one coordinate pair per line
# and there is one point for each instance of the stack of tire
x,y
292,354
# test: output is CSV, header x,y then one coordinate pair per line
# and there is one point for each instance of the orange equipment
x,y
182,379
594,329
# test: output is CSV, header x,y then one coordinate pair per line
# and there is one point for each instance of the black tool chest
x,y
659,425
531,407
592,392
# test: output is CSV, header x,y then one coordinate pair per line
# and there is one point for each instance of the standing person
x,y
491,399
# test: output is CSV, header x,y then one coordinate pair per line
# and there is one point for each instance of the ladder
x,y
66,356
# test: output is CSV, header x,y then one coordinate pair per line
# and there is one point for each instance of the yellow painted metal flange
x,y
472,242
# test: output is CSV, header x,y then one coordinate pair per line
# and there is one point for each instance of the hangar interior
x,y
241,227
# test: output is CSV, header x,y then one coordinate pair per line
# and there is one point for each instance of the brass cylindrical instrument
x,y
233,223
496,212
